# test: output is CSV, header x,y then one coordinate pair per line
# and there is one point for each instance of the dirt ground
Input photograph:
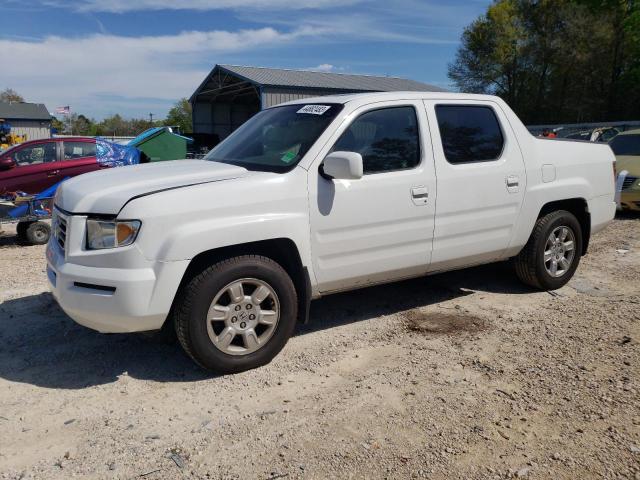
x,y
460,375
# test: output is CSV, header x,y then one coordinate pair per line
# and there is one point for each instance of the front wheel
x,y
551,256
237,314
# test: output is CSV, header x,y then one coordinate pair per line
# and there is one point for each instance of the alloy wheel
x,y
559,251
243,316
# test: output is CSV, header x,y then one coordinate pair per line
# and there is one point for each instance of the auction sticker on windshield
x,y
314,109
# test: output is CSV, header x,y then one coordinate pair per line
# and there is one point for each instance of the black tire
x,y
38,233
165,336
530,265
21,230
195,298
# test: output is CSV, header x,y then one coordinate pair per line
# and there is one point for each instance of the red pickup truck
x,y
36,165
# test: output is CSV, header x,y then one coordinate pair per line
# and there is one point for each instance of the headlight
x,y
111,234
57,197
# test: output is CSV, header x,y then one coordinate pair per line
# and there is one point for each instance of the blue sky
x,y
138,56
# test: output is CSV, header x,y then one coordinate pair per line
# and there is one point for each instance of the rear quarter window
x,y
469,133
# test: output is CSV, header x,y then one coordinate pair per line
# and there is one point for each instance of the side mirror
x,y
343,166
6,163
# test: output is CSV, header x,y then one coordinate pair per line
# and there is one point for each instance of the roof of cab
x,y
386,96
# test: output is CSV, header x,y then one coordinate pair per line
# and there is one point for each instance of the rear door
x,y
481,182
35,168
78,157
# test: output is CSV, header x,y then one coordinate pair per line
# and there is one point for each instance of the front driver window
x,y
386,138
36,154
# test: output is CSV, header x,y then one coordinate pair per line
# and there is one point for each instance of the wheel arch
x,y
580,209
283,250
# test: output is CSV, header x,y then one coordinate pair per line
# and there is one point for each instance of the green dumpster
x,y
161,143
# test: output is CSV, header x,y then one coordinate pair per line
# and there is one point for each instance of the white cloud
x,y
92,73
120,6
324,67
361,25
103,73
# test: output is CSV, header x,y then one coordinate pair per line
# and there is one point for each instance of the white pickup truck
x,y
314,197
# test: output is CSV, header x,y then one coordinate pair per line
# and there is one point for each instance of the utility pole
x,y
151,119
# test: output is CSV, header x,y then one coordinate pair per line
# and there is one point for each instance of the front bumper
x,y
630,200
113,300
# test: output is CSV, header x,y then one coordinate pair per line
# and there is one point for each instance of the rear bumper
x,y
602,210
114,300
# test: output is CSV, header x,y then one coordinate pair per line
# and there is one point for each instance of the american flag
x,y
65,110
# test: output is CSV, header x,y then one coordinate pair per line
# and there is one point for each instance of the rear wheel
x,y
237,314
38,233
552,254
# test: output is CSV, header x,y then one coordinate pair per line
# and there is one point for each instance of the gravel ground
x,y
460,375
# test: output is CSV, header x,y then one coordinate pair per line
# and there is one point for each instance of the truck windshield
x,y
275,139
626,145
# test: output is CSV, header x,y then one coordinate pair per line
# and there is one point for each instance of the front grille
x,y
60,230
628,181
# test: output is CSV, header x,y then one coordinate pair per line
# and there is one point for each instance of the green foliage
x,y
113,126
180,116
80,125
10,95
117,126
57,124
555,60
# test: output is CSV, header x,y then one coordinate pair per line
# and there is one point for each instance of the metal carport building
x,y
231,94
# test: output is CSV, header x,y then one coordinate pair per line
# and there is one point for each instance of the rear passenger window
x,y
73,150
469,133
387,139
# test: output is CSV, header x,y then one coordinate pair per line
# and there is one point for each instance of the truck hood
x,y
107,191
630,163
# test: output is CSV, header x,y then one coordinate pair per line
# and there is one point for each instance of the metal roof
x,y
305,79
24,111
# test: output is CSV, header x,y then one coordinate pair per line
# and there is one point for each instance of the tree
x,y
114,126
555,60
180,116
117,126
80,125
138,125
57,125
10,95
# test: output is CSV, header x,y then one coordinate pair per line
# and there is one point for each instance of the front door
x,y
35,169
481,182
380,227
